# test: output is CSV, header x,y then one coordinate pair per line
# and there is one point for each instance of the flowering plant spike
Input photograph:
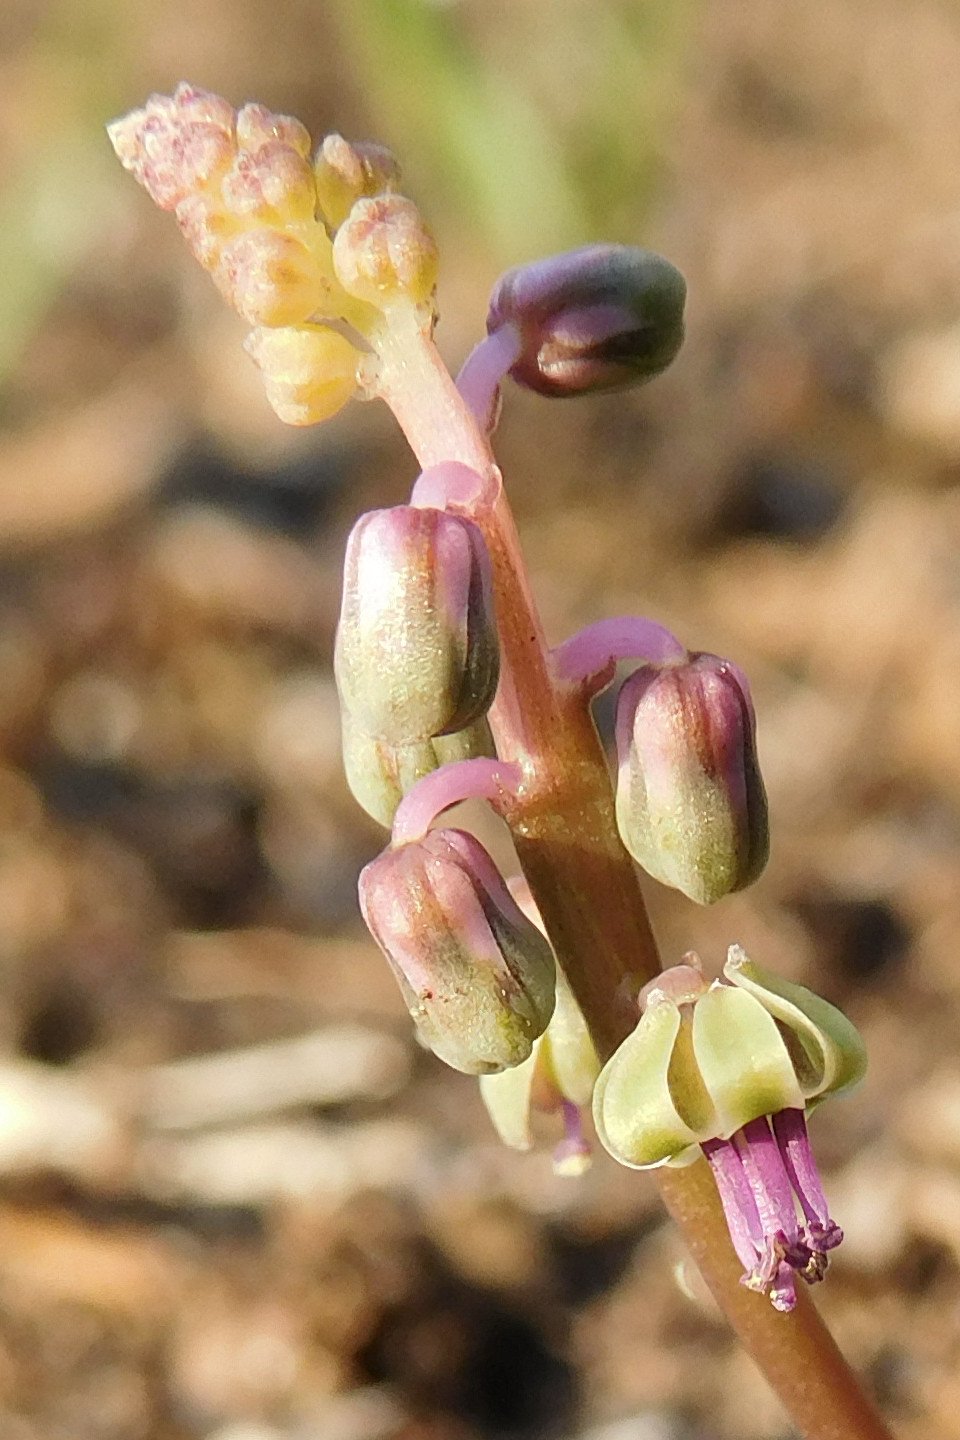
x,y
449,690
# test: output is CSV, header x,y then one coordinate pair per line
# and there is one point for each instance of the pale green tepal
x,y
706,1060
728,1070
557,1078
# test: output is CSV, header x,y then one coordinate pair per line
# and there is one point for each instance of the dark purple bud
x,y
599,318
477,976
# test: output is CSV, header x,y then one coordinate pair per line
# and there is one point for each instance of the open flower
x,y
729,1069
557,1079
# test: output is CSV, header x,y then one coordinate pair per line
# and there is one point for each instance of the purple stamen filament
x,y
572,1155
758,1172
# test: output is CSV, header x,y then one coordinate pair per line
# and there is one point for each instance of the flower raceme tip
x,y
730,1069
292,245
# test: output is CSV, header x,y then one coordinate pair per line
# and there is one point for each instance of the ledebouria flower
x,y
729,1069
557,1078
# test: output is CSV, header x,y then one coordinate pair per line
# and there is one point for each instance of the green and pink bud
x,y
691,807
477,976
599,318
417,653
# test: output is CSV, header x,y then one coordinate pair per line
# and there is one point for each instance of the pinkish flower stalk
x,y
483,372
588,660
496,781
455,487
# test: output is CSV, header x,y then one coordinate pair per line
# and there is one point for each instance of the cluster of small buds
x,y
729,1069
323,256
292,243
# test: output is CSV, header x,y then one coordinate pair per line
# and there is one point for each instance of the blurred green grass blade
x,y
461,128
46,221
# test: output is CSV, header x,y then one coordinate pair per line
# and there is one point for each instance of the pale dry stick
x,y
586,887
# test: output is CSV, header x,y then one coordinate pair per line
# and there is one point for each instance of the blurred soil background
x,y
236,1201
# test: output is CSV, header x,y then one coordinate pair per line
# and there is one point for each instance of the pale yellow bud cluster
x,y
292,243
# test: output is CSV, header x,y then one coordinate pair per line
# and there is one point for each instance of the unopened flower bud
x,y
379,774
272,183
416,652
256,126
599,318
206,227
347,170
272,279
309,371
383,251
476,974
691,807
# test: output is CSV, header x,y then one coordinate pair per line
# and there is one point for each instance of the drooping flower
x,y
557,1079
691,807
729,1070
417,653
477,976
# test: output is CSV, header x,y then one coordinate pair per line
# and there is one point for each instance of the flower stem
x,y
585,884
